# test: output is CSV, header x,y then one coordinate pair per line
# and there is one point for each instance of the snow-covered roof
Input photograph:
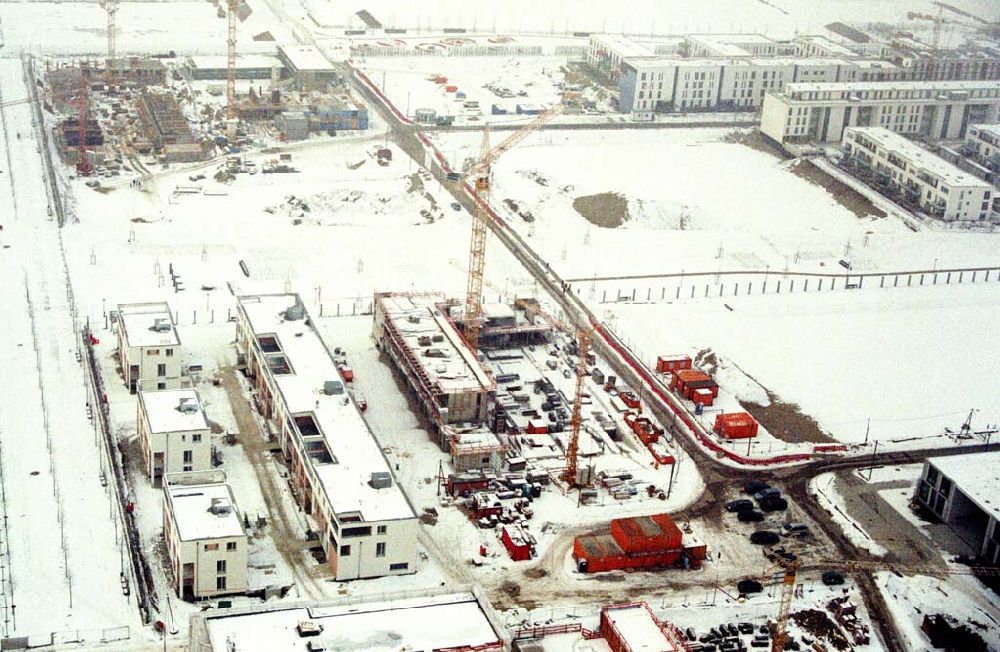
x,y
452,366
637,627
243,61
356,455
977,475
164,413
305,57
450,621
991,129
621,45
888,87
920,158
139,321
731,45
191,507
830,46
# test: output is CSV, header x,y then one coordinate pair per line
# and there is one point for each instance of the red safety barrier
x,y
385,100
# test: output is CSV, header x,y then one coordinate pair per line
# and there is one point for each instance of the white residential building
x,y
206,544
921,177
821,46
933,110
148,346
983,142
962,491
338,472
173,432
605,53
735,46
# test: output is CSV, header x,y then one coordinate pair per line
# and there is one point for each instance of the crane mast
x,y
583,350
231,62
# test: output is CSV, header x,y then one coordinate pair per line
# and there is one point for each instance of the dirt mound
x,y
846,196
820,625
608,210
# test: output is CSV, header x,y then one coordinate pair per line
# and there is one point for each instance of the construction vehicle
x,y
479,172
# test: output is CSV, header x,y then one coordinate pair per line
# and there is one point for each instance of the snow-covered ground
x,y
824,488
64,546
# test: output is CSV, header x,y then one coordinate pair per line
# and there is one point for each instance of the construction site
x,y
387,328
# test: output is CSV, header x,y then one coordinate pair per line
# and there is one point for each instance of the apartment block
x,y
206,545
982,142
337,471
919,176
173,432
819,113
148,346
605,53
735,45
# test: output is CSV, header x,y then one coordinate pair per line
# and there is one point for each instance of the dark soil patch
x,y
536,573
820,625
754,140
786,421
608,210
846,196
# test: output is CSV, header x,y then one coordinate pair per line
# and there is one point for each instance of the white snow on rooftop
x,y
977,475
306,57
919,157
427,623
887,87
164,413
636,626
139,320
993,129
622,45
191,507
355,453
243,61
827,44
453,368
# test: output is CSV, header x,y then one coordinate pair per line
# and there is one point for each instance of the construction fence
x,y
67,637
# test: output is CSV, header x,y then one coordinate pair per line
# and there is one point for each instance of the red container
x,y
537,427
655,533
630,399
703,396
736,425
450,89
516,543
670,363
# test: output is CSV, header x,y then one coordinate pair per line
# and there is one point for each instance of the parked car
x,y
773,504
794,529
766,493
755,486
750,516
833,578
745,628
456,206
740,505
454,176
764,538
780,554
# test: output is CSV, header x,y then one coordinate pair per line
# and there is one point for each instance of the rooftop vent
x,y
413,319
380,480
333,387
221,507
294,313
309,628
161,325
188,406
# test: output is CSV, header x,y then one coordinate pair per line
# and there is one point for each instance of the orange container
x,y
670,363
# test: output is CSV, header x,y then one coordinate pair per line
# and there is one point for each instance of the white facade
x,y
961,490
933,110
821,46
734,45
206,544
605,53
148,346
173,432
920,176
338,472
983,142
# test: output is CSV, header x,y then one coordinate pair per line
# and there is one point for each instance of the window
x,y
345,551
196,438
362,531
231,546
188,457
152,352
380,549
161,370
161,385
220,583
396,567
382,529
211,546
169,352
220,566
188,467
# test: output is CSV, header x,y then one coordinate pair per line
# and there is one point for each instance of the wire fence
x,y
67,637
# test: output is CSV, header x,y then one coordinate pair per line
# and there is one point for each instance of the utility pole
x,y
871,468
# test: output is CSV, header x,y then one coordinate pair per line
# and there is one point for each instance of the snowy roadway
x,y
64,556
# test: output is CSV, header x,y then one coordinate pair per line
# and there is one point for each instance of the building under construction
x,y
68,137
63,79
166,128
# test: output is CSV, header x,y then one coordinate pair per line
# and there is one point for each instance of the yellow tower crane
x,y
480,175
583,350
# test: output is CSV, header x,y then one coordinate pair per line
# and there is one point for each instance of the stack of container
x,y
736,425
703,396
644,429
686,381
638,542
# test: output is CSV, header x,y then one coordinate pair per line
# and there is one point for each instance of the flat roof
x,y
356,454
306,57
163,410
920,158
243,61
622,45
827,43
191,506
731,45
453,367
138,320
992,128
638,628
977,475
891,86
450,621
